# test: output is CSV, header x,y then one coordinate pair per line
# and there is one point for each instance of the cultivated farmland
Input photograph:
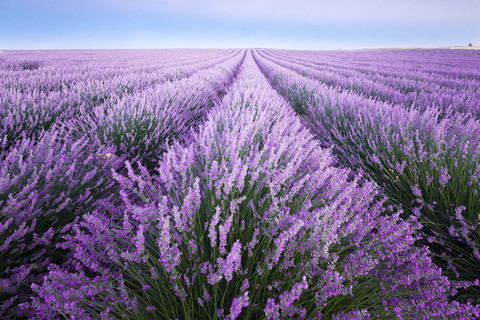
x,y
240,184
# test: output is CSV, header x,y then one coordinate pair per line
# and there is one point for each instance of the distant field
x,y
240,184
466,47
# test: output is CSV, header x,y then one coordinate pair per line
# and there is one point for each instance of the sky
x,y
288,24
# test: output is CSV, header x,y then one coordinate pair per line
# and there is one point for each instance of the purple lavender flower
x,y
444,176
237,305
416,191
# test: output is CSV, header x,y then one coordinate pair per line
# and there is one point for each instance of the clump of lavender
x,y
45,185
249,220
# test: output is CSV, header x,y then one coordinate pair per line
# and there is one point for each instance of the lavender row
x,y
248,220
427,164
457,132
422,95
62,76
405,78
46,185
58,70
28,113
142,125
94,83
410,64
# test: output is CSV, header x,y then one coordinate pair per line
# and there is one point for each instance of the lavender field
x,y
240,184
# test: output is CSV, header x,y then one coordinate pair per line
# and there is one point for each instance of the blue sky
x,y
290,24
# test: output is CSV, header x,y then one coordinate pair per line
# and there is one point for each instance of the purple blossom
x,y
232,263
224,229
416,191
212,230
245,285
237,305
444,176
287,298
272,310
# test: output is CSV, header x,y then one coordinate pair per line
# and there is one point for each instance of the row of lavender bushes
x,y
420,79
249,219
34,102
398,63
48,183
143,124
58,70
427,164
